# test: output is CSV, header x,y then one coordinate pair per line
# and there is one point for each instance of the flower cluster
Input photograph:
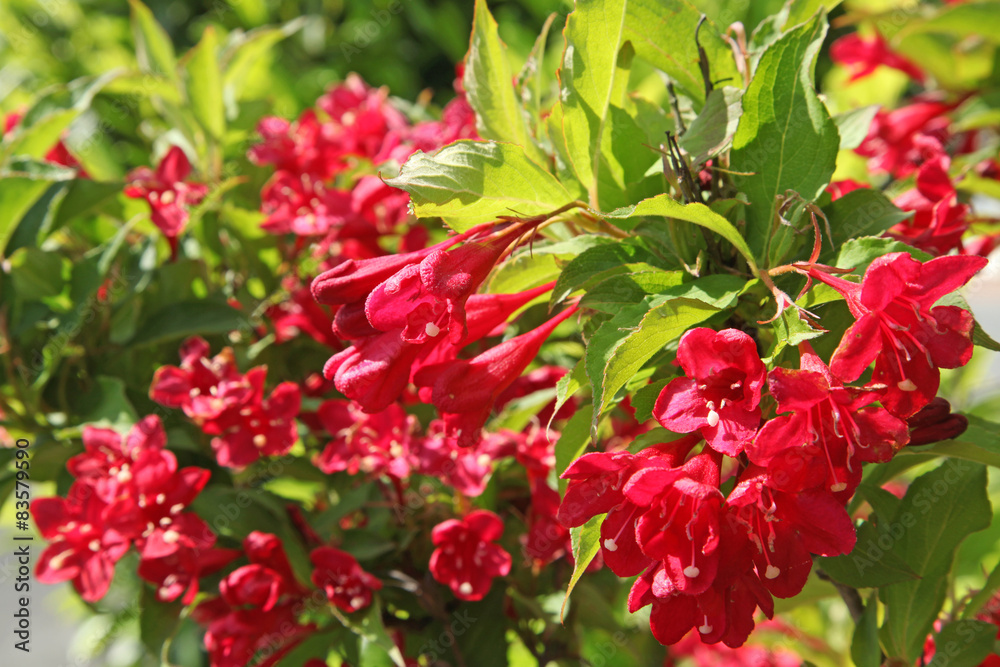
x,y
229,405
128,492
257,618
168,193
708,560
323,184
409,316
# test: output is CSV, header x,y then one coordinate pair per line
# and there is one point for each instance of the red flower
x,y
83,548
596,486
427,300
465,469
168,194
899,141
679,520
347,586
107,462
375,444
229,405
466,558
829,433
177,574
258,426
863,56
721,393
899,328
724,612
785,528
939,221
546,540
464,391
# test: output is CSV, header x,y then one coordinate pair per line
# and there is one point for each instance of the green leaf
x,y
594,77
481,629
573,440
37,274
940,509
540,263
644,399
152,44
369,626
204,84
974,19
699,214
663,31
44,123
596,264
614,293
243,52
861,212
158,620
628,340
107,402
963,644
531,80
980,443
712,130
586,542
853,126
786,138
488,82
872,562
179,320
983,339
865,649
471,182
19,190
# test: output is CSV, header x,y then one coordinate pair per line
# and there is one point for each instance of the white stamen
x,y
94,545
772,572
906,385
691,572
838,487
170,536
259,440
713,418
610,545
465,588
705,627
432,329
357,602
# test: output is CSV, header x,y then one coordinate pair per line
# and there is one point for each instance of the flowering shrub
x,y
633,356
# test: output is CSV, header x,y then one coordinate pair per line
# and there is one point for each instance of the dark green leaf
x,y
963,644
187,319
859,213
872,562
37,274
865,649
940,509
